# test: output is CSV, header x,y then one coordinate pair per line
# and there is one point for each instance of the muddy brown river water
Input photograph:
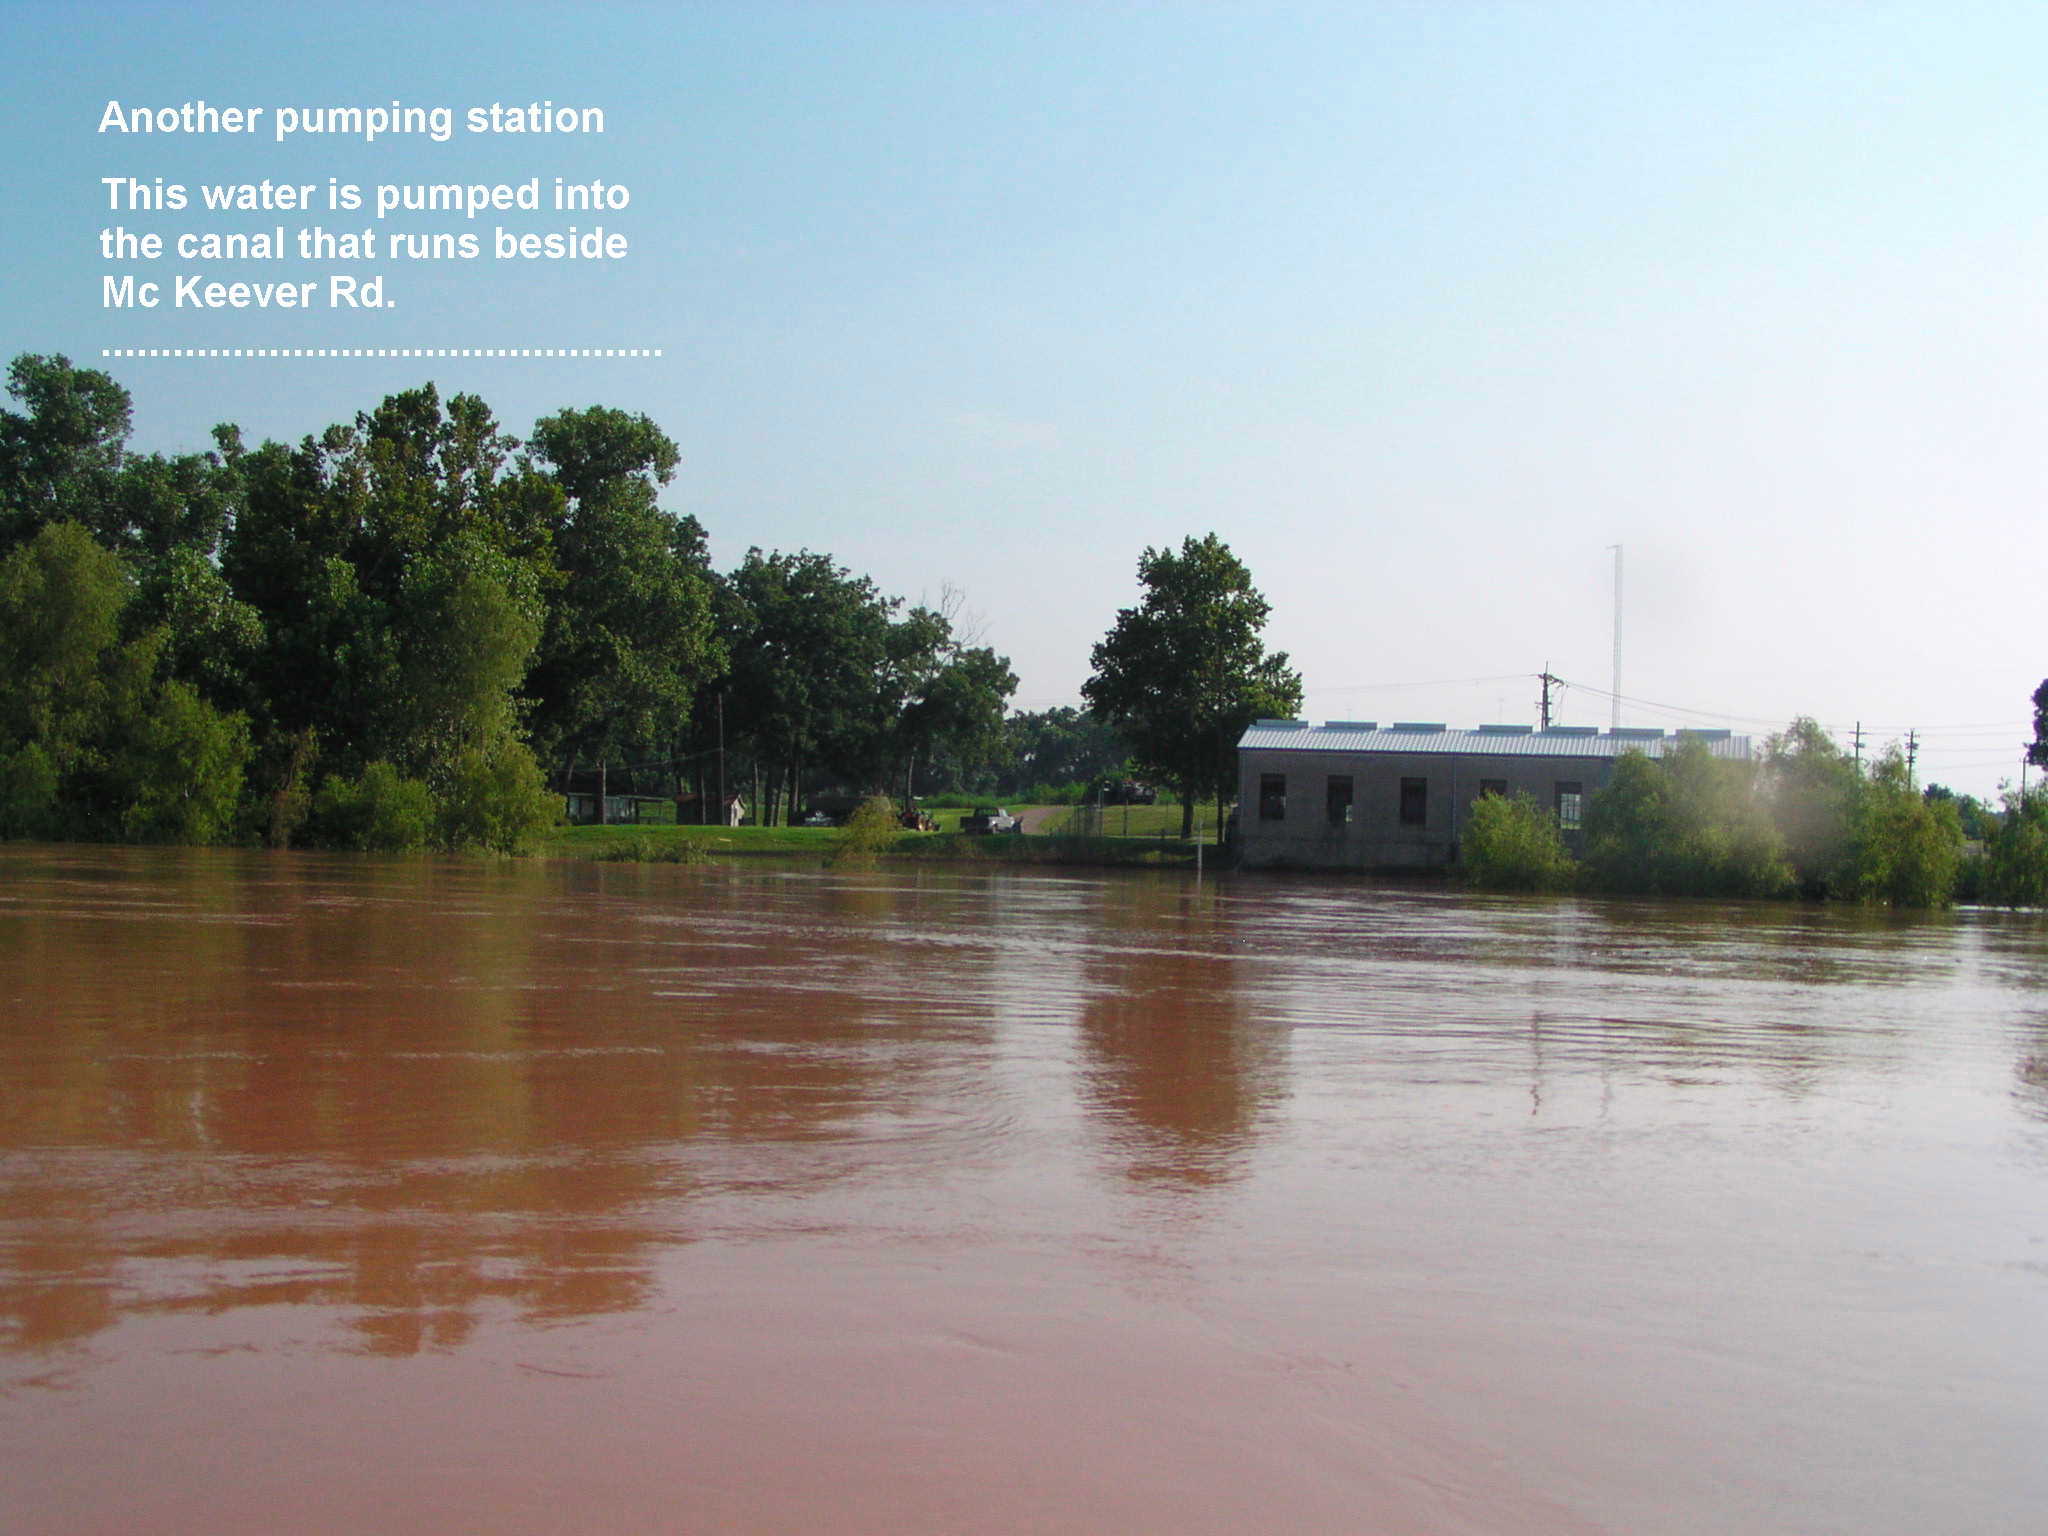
x,y
344,1195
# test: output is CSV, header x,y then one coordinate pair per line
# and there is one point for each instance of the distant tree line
x,y
416,630
1807,819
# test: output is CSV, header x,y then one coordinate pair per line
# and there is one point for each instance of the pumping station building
x,y
1350,794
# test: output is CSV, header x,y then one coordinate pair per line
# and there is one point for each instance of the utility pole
x,y
1912,752
1547,680
1859,749
1614,714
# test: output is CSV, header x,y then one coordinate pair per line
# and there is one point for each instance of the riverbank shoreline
x,y
694,845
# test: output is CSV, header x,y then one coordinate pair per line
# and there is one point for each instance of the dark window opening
x,y
1340,799
1414,802
1571,801
1494,787
1272,797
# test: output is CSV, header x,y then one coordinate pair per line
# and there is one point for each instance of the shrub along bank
x,y
1805,820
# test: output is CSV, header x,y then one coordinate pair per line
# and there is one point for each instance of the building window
x,y
1571,801
1272,797
1494,787
1339,800
1414,802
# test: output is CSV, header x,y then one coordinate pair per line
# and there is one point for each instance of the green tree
x,y
28,792
1979,821
1688,823
595,450
1183,673
1812,787
59,459
379,810
61,600
496,800
397,568
179,769
157,504
868,831
630,635
471,617
212,638
944,697
1907,849
1627,827
1513,844
94,740
808,641
65,459
1059,746
2037,751
2017,853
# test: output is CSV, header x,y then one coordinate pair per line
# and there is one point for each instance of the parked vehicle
x,y
916,820
990,819
834,807
1126,792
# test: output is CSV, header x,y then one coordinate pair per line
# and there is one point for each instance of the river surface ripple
x,y
342,1194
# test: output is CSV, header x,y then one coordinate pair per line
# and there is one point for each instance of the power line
x,y
1983,727
1438,682
1674,709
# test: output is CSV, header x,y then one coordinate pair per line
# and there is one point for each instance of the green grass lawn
x,y
1148,821
690,845
657,842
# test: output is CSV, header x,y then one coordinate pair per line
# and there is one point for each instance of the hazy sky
x,y
1420,307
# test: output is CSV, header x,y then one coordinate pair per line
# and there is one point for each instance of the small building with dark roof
x,y
1351,794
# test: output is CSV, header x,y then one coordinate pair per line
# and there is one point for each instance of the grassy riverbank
x,y
696,845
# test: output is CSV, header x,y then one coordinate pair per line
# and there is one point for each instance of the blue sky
x,y
1421,307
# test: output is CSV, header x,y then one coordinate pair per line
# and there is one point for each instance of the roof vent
x,y
1506,730
1351,725
1572,730
1284,725
1418,727
1637,733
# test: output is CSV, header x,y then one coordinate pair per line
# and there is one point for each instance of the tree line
x,y
1808,819
415,630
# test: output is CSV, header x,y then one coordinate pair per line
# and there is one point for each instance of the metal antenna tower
x,y
1614,715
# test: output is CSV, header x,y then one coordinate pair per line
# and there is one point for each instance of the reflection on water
x,y
1012,1202
1177,1071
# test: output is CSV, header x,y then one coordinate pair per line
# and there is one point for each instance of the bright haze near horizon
x,y
1422,309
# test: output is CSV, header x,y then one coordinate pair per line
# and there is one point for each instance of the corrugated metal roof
x,y
1487,741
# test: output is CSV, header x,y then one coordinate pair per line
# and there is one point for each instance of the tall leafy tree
x,y
2017,852
630,634
398,568
808,642
61,601
2037,751
1813,786
956,708
1687,824
1908,848
61,455
1059,746
1182,674
1978,820
94,740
